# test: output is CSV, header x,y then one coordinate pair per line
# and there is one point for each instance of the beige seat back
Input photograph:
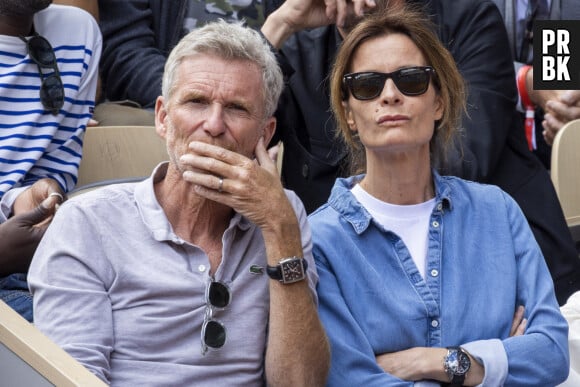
x,y
114,154
29,358
565,173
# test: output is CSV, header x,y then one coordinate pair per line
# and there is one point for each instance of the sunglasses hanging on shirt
x,y
213,332
52,88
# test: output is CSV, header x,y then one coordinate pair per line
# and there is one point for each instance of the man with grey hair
x,y
203,273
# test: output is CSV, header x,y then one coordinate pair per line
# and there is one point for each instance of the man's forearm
x,y
298,352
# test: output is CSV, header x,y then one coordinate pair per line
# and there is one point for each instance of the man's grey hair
x,y
228,41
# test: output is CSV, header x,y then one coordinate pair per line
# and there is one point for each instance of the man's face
x,y
22,7
216,101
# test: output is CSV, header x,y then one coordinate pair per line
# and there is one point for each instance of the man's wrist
x,y
276,31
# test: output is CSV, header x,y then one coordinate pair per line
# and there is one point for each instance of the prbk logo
x,y
556,54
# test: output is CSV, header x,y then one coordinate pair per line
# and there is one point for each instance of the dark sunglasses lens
x,y
52,93
367,86
412,81
41,51
214,335
219,295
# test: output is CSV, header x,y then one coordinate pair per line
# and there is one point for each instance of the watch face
x,y
458,362
292,270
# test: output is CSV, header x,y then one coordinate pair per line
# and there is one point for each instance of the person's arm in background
x,y
571,312
296,15
61,162
132,62
92,7
21,233
559,106
478,41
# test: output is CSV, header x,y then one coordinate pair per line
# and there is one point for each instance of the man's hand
x,y
20,235
560,107
296,15
250,187
559,111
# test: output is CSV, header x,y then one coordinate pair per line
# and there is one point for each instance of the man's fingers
x,y
551,127
563,112
263,157
570,97
38,214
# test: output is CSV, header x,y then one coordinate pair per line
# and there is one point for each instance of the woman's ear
x,y
349,116
438,107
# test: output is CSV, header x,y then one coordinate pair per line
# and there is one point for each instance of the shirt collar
x,y
344,202
153,215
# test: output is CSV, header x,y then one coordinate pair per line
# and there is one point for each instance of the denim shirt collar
x,y
343,201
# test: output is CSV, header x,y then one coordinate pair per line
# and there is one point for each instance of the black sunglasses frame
x,y
379,80
213,332
51,88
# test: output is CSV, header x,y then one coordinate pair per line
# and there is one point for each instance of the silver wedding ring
x,y
57,195
221,184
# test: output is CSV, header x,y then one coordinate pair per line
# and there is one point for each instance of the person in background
x,y
440,263
138,35
49,55
571,311
492,148
190,277
550,109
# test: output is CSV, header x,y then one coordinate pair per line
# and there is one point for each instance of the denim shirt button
x,y
434,273
435,224
434,323
439,207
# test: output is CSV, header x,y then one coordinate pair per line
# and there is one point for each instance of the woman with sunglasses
x,y
420,274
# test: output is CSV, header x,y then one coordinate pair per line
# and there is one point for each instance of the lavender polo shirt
x,y
123,294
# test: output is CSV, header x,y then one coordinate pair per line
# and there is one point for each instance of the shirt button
x,y
305,170
435,224
439,207
434,323
201,268
434,273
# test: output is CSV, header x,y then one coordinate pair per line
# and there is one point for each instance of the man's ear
x,y
269,130
160,116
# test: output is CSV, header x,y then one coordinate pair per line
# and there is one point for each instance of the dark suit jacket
x,y
494,148
569,8
137,38
559,9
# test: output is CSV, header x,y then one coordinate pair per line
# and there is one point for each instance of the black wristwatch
x,y
289,270
456,364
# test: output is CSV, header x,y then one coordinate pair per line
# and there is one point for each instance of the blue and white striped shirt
x,y
33,142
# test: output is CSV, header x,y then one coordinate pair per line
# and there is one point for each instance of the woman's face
x,y
392,123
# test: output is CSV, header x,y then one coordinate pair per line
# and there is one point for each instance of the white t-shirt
x,y
409,222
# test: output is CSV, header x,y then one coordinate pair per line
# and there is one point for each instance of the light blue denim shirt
x,y
482,262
